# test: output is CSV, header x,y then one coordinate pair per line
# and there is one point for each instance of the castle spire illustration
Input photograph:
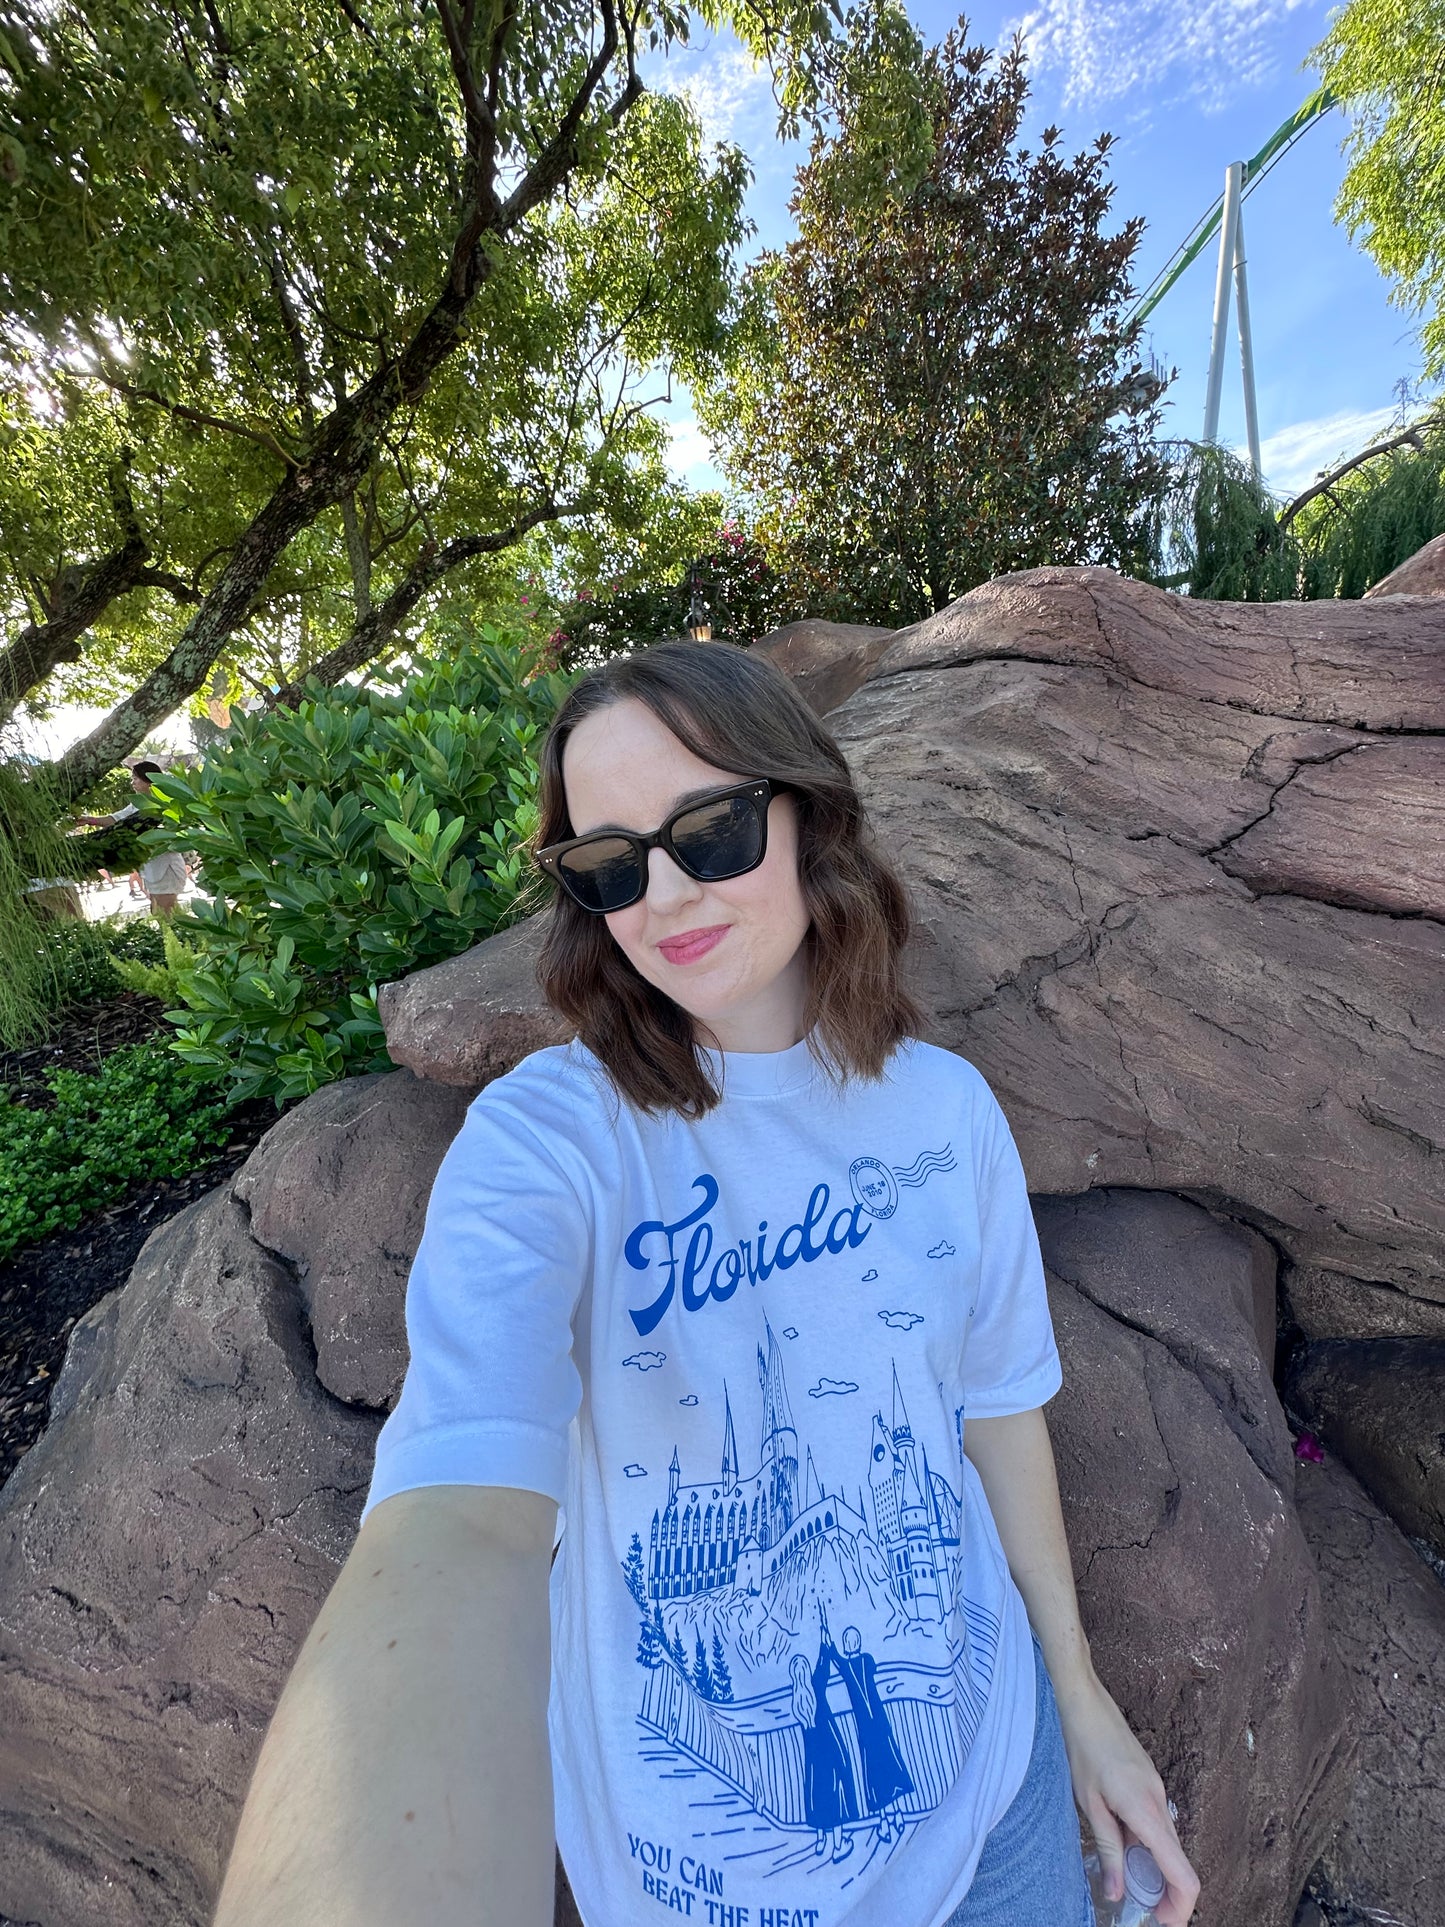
x,y
730,1444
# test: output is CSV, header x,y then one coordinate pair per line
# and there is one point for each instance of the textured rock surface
x,y
1386,1613
1423,573
827,660
1153,1008
165,1546
1196,1586
472,1018
163,1550
338,1189
1380,1404
1332,1304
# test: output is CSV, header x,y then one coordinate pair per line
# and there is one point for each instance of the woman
x,y
886,1779
744,1281
829,1800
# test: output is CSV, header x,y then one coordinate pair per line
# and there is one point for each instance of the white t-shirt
x,y
793,1684
162,874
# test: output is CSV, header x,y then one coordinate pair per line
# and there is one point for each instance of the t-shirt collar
x,y
764,1073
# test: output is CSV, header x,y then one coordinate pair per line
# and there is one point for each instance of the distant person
x,y
162,877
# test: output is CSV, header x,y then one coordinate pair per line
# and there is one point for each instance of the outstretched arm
x,y
1115,1781
406,1774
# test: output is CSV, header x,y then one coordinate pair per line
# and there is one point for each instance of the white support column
x,y
1228,232
1246,345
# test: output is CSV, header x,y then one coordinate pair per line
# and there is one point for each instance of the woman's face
x,y
729,954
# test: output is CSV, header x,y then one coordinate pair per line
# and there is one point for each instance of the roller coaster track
x,y
1194,244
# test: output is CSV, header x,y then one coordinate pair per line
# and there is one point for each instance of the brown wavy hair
x,y
741,714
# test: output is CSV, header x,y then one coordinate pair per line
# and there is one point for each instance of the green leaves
x,y
1385,59
362,836
937,382
142,1115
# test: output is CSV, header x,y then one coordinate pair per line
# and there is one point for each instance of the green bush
x,y
141,1115
77,956
363,835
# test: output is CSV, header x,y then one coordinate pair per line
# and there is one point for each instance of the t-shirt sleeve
x,y
491,1388
1011,1363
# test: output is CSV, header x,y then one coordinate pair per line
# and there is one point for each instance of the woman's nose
x,y
668,887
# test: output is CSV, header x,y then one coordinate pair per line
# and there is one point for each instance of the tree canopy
x,y
1385,59
946,386
306,308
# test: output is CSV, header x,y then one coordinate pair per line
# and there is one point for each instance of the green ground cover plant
x,y
142,1115
362,835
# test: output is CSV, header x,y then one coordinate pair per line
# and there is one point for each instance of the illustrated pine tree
x,y
721,1677
702,1673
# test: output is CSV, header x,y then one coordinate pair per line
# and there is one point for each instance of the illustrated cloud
x,y
790,1331
825,1386
902,1321
869,1276
646,1361
942,1250
635,1471
691,1399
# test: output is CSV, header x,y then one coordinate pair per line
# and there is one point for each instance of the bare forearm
x,y
406,1775
1015,1464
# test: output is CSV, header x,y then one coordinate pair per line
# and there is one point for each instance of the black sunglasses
x,y
721,835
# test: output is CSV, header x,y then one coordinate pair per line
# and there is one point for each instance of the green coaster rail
x,y
1275,148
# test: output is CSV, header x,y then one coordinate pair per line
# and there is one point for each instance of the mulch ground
x,y
81,1039
47,1286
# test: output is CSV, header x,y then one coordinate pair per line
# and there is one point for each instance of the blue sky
x,y
1186,86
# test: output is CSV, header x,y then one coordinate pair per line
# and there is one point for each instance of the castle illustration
x,y
736,1529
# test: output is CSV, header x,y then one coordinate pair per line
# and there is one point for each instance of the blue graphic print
x,y
688,1265
807,1748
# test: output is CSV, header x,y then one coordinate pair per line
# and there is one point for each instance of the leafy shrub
x,y
161,978
141,1115
361,836
77,956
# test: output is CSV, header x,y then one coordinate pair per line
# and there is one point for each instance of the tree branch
x,y
559,155
85,595
1412,435
342,448
181,409
371,634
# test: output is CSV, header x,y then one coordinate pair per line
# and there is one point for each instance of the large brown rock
x,y
163,1550
1386,1613
1380,1404
473,1017
165,1546
1195,1583
1066,768
338,1189
827,660
1320,662
1423,573
1332,1304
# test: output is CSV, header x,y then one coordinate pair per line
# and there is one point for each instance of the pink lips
x,y
692,944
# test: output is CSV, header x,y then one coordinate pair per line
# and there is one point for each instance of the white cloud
x,y
726,91
1203,50
689,454
1292,457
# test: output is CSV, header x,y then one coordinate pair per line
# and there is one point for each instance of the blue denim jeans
x,y
1031,1871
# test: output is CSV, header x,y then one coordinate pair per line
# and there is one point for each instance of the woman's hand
x,y
1119,1791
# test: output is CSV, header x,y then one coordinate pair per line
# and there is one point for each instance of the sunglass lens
x,y
721,839
604,874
